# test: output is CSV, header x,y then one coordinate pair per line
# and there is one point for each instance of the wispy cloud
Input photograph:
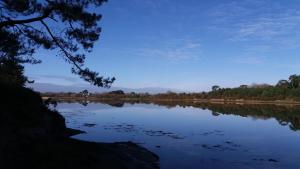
x,y
262,20
55,79
252,54
292,66
248,59
153,4
175,51
269,28
224,12
257,49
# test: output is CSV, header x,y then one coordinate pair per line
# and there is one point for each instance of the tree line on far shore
x,y
284,90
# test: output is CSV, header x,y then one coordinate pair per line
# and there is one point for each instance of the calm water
x,y
193,138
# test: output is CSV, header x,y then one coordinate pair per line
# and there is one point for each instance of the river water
x,y
196,137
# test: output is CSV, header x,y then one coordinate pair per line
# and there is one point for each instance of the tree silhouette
x,y
67,26
283,83
84,93
215,88
12,73
294,81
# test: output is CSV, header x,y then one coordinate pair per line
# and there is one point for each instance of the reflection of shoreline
x,y
212,101
285,114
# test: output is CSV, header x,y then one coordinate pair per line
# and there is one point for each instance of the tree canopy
x,y
68,26
215,88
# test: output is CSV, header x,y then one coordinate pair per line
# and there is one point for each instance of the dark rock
x,y
71,132
89,125
273,160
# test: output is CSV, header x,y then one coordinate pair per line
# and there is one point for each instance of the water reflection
x,y
195,135
284,114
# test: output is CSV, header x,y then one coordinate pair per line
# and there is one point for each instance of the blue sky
x,y
188,45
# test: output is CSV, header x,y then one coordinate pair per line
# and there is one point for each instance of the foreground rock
x,y
34,137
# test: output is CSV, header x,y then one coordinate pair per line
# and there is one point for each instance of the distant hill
x,y
47,87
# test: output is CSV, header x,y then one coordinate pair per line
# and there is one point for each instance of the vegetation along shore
x,y
284,92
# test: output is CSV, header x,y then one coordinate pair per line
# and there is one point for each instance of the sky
x,y
188,45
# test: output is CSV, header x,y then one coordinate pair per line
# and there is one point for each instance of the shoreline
x,y
211,101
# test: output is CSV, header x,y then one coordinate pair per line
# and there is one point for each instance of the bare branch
x,y
15,22
59,45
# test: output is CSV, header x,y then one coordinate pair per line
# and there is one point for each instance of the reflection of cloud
x,y
175,51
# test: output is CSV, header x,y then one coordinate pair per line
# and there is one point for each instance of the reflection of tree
x,y
285,115
85,93
84,102
215,113
114,103
117,104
